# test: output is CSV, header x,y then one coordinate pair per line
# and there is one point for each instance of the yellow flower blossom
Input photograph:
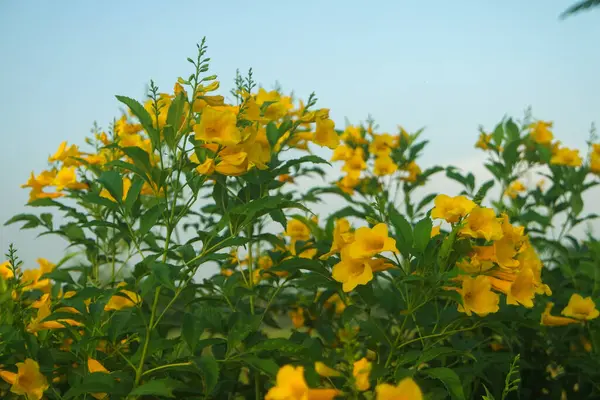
x,y
540,132
477,296
352,272
482,223
566,156
407,389
436,230
371,241
93,367
325,134
352,134
514,189
28,381
66,155
39,324
381,145
361,371
553,320
348,183
342,236
595,163
481,260
297,317
581,308
384,165
451,209
67,178
6,271
342,153
297,230
413,172
484,140
125,299
218,127
336,301
291,385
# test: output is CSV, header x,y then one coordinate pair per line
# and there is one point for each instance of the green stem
x,y
183,364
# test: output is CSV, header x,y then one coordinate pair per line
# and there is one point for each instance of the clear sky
x,y
446,65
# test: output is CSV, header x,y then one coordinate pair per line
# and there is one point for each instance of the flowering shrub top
x,y
389,297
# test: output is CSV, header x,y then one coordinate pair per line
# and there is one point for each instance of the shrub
x,y
390,296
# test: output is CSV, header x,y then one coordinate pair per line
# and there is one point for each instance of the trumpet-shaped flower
x,y
407,389
451,209
482,223
581,308
291,385
553,320
477,296
361,371
28,381
371,241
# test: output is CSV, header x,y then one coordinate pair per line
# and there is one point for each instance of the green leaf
x,y
210,372
162,273
512,130
272,133
434,353
268,366
31,220
482,192
285,168
422,233
175,112
279,216
280,345
97,382
576,203
149,219
404,235
188,331
140,158
450,379
498,134
134,192
112,181
143,116
157,387
510,154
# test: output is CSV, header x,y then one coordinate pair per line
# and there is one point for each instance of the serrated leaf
x,y
143,116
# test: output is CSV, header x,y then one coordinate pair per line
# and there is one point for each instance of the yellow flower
x,y
325,371
32,277
361,371
371,241
552,320
352,134
382,144
342,236
291,385
297,230
566,156
595,163
451,208
233,164
265,262
66,155
6,271
342,153
297,317
204,168
66,178
540,132
118,302
335,300
95,366
356,163
413,172
484,140
352,272
325,134
482,223
407,389
28,381
581,308
479,261
218,126
39,324
523,289
348,183
477,296
384,165
514,189
126,186
436,230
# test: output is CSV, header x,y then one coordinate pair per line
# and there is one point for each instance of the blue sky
x,y
449,66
